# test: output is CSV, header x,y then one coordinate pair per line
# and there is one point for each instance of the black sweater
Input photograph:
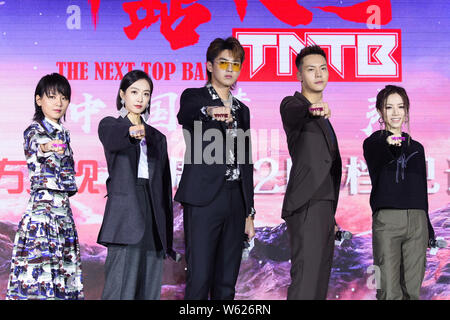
x,y
398,174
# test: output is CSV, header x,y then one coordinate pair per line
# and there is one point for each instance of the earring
x,y
381,122
146,113
123,111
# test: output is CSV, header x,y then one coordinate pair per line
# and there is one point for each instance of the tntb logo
x,y
353,55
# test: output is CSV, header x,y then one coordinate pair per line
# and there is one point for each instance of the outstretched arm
x,y
114,135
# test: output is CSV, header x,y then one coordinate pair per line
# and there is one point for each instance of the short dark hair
x,y
219,45
50,84
306,51
383,95
130,78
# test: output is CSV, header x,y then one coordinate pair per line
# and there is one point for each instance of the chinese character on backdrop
x,y
293,14
88,169
434,188
357,169
372,115
85,110
162,111
14,173
179,33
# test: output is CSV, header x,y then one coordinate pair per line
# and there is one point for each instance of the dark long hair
x,y
130,78
50,84
382,97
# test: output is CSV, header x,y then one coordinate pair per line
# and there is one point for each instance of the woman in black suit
x,y
137,225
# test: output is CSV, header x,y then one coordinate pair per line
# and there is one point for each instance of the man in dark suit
x,y
216,187
313,189
137,225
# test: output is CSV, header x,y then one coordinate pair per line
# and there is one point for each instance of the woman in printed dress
x,y
46,260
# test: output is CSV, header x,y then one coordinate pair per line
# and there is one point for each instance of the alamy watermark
x,y
232,147
374,280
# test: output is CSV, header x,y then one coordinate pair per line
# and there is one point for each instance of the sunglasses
x,y
235,66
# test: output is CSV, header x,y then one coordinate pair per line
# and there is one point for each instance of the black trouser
x,y
135,271
214,237
311,233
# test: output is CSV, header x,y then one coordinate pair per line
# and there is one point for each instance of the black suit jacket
x,y
123,221
311,149
200,183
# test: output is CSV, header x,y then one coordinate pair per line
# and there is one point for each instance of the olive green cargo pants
x,y
400,240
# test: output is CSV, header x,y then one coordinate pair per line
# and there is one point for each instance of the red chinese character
x,y
84,169
287,11
5,162
241,7
132,31
183,34
95,5
290,12
361,12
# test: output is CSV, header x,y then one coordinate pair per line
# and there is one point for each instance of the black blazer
x,y
200,183
311,150
123,221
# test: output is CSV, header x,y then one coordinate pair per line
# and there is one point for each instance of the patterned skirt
x,y
46,261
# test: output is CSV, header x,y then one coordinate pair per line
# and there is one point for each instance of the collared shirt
x,y
49,170
232,172
54,124
142,165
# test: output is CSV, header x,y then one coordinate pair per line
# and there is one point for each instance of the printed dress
x,y
46,260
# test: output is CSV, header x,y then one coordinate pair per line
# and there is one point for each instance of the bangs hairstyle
x,y
219,45
382,97
130,78
306,51
50,84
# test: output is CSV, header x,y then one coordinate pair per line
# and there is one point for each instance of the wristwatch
x,y
252,213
